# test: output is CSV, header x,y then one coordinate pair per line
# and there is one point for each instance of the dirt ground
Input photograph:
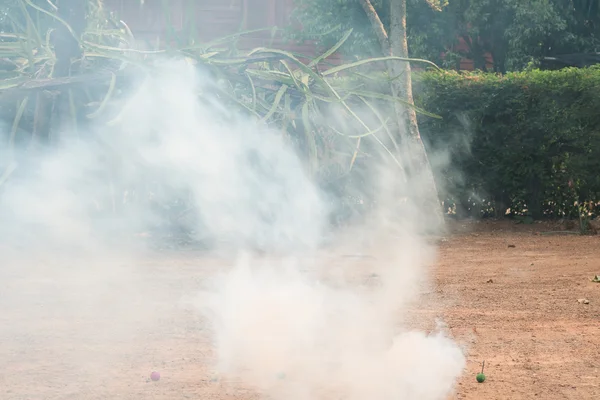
x,y
510,292
537,340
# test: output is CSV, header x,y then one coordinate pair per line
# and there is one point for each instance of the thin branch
x,y
377,25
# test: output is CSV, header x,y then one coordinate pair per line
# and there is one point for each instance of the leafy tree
x,y
326,21
379,28
582,33
514,32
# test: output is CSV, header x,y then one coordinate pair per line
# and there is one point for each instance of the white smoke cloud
x,y
300,327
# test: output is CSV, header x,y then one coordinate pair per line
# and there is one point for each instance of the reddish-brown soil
x,y
506,290
537,340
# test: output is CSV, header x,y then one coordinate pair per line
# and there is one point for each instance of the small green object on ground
x,y
481,376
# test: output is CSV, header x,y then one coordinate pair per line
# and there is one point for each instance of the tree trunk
x,y
66,49
412,150
66,46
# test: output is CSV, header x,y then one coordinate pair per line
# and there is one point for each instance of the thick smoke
x,y
301,324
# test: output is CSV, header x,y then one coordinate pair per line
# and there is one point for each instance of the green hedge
x,y
526,141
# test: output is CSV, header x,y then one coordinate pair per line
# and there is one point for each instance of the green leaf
x,y
275,104
353,65
331,50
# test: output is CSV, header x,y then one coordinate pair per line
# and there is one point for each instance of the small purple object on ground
x,y
155,376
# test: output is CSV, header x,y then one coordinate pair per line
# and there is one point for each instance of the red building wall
x,y
214,19
467,64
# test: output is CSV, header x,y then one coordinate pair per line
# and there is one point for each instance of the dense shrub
x,y
526,141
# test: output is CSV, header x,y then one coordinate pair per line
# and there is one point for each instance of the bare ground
x,y
507,291
537,340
